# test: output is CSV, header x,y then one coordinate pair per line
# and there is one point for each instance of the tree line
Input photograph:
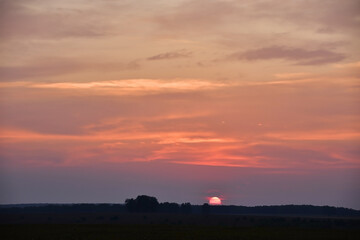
x,y
144,203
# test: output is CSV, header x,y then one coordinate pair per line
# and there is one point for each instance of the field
x,y
165,231
174,226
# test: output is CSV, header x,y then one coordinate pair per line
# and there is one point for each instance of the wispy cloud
x,y
298,55
126,86
315,136
196,140
171,55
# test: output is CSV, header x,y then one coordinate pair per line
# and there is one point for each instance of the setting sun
x,y
215,201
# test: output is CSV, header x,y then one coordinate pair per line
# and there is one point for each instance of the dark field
x,y
170,221
166,231
174,226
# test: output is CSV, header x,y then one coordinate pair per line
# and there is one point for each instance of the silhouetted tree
x,y
142,203
185,208
130,205
169,207
205,208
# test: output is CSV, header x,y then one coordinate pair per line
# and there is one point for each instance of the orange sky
x,y
264,85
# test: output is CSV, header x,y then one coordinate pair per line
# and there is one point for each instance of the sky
x,y
253,101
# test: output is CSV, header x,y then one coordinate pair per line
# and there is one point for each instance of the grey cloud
x,y
171,55
298,55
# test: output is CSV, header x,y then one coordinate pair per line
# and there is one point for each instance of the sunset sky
x,y
254,101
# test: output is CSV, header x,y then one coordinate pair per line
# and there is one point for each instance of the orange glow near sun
x,y
215,201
